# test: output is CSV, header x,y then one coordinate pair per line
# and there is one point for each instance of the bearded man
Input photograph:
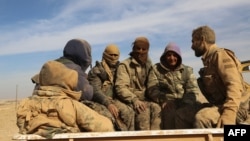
x,y
130,86
221,82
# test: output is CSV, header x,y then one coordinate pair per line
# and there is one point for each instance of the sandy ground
x,y
7,120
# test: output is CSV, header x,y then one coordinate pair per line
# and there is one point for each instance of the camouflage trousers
x,y
125,122
149,119
208,117
47,116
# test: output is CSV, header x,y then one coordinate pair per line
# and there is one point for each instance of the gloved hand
x,y
113,110
139,106
228,117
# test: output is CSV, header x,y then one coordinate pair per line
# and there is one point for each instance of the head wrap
x,y
141,42
140,49
111,54
110,60
54,73
78,51
35,79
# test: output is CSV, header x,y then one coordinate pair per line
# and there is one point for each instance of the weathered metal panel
x,y
153,135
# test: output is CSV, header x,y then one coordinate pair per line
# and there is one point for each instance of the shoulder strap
x,y
237,62
232,55
126,64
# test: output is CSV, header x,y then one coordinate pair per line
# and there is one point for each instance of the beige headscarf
x,y
56,74
110,58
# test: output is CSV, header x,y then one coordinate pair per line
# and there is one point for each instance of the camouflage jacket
x,y
221,80
54,106
103,88
180,84
130,83
49,111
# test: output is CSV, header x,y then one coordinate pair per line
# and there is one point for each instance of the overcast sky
x,y
35,31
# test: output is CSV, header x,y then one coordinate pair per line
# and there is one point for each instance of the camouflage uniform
x,y
130,86
103,95
176,86
220,81
54,107
222,84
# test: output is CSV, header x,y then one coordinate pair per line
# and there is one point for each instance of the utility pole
x,y
16,94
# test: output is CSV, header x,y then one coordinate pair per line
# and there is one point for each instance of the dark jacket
x,y
77,56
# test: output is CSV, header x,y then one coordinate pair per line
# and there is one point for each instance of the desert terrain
x,y
7,120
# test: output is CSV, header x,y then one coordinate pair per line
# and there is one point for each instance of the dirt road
x,y
7,120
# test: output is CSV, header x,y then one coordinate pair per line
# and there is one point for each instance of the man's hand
x,y
228,117
113,110
139,106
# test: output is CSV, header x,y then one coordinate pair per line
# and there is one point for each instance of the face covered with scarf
x,y
140,50
111,55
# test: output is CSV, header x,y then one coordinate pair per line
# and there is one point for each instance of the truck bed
x,y
215,134
152,135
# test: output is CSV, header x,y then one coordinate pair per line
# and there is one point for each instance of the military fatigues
x,y
54,107
222,84
103,94
130,86
177,87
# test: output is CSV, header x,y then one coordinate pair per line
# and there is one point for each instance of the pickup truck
x,y
215,134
